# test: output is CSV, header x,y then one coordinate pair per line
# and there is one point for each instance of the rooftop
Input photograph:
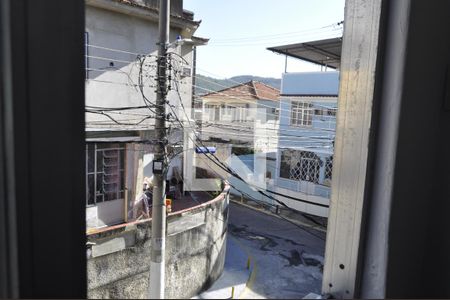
x,y
251,90
322,52
148,9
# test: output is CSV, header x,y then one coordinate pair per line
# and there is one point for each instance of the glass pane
x,y
99,161
122,180
99,183
122,159
91,189
110,196
99,198
91,158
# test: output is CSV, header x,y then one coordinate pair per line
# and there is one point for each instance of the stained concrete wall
x,y
119,257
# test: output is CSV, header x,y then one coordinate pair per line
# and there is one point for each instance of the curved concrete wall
x,y
119,256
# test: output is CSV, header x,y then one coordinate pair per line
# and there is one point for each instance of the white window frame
x,y
302,113
210,111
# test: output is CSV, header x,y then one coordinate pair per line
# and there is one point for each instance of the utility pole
x,y
158,242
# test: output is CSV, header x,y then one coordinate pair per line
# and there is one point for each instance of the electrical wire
x,y
227,169
279,34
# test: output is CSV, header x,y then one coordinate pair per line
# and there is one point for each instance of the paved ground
x,y
287,260
235,274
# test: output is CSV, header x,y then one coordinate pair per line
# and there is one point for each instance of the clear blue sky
x,y
241,30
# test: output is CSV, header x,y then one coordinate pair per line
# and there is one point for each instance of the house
x,y
236,120
304,164
232,113
308,106
121,51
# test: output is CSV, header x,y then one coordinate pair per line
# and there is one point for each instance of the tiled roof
x,y
252,90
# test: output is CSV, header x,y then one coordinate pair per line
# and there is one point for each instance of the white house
x,y
241,123
304,165
308,106
121,52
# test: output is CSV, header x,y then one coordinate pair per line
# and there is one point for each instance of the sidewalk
x,y
235,274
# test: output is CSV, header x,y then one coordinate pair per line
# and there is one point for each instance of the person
x,y
147,198
144,203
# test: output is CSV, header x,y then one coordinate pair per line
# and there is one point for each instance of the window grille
x,y
328,167
105,176
300,166
331,112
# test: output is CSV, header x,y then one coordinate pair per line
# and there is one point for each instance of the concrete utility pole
x,y
158,246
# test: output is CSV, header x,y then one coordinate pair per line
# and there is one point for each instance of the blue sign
x,y
205,150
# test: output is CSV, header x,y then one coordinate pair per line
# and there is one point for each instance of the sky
x,y
241,30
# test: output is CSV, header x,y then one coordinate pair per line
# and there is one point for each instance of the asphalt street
x,y
287,260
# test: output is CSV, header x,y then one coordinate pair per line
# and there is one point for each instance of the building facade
x,y
121,55
304,160
236,121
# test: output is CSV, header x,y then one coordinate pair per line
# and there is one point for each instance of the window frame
x,y
301,113
121,160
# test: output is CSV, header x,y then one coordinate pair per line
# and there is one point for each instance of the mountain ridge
x,y
206,84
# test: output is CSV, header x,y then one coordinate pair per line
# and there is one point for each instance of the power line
x,y
247,129
119,51
227,169
224,87
268,204
282,33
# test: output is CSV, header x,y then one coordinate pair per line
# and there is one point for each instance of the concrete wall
x,y
119,260
114,42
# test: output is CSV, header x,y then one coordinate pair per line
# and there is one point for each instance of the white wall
x,y
114,86
310,83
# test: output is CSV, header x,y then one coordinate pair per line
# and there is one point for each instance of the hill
x,y
206,84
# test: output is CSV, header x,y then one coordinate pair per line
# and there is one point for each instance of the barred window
x,y
105,172
301,113
328,167
331,112
300,165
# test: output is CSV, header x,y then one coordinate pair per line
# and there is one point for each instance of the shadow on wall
x,y
118,257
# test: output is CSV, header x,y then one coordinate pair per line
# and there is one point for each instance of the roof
x,y
251,90
196,40
322,52
148,9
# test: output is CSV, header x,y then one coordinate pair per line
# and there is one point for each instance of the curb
x,y
315,227
234,290
252,267
250,281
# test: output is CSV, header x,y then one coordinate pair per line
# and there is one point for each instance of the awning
x,y
322,52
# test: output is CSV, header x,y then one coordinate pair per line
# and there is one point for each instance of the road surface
x,y
287,260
